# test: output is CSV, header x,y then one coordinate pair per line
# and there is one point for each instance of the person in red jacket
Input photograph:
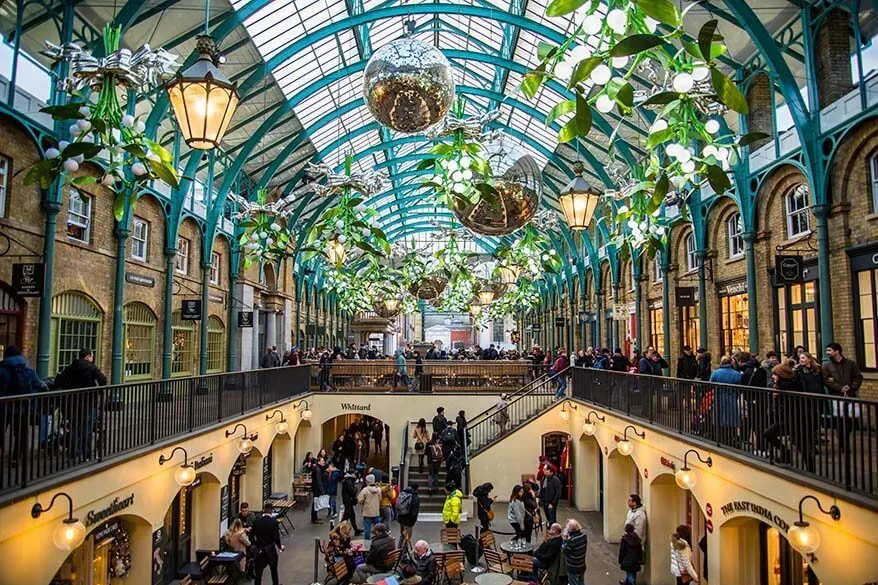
x,y
558,372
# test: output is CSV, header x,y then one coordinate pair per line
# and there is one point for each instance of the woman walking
x,y
501,417
681,556
421,437
516,512
807,429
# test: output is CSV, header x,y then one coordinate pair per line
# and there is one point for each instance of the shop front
x,y
688,316
734,317
797,319
864,272
657,325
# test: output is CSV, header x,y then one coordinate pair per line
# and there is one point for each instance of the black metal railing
x,y
52,432
430,376
828,437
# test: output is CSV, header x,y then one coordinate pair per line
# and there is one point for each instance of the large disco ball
x,y
519,190
428,288
408,85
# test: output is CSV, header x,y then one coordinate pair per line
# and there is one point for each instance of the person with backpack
x,y
454,464
439,421
408,504
557,370
82,373
602,360
16,378
449,440
435,457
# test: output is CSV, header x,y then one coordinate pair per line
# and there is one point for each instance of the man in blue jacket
x,y
16,378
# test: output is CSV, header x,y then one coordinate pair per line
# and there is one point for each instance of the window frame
x,y
181,258
692,260
215,267
147,325
873,179
86,223
5,182
657,275
793,216
135,240
735,236
860,321
216,343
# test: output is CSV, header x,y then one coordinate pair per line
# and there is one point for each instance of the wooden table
x,y
378,576
511,547
493,579
283,508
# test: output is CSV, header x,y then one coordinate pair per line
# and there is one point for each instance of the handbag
x,y
321,503
419,445
488,512
685,578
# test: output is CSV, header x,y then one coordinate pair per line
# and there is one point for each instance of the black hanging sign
x,y
158,555
685,296
560,322
789,269
245,319
191,311
27,279
224,503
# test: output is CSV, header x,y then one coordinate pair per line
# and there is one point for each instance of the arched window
x,y
140,324
185,346
735,230
797,213
76,325
216,333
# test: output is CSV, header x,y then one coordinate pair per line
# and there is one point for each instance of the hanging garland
x,y
530,256
120,554
264,239
100,133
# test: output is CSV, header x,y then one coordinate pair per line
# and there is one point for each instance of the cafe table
x,y
493,579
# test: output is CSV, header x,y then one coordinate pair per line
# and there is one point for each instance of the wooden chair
x,y
454,566
450,536
487,540
209,577
392,559
522,564
496,563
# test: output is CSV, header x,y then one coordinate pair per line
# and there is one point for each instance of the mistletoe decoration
x,y
264,238
100,133
530,256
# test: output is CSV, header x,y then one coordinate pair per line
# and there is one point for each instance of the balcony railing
x,y
830,438
431,376
54,432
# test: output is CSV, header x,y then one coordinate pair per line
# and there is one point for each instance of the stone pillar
x,y
761,116
287,335
244,359
270,328
832,57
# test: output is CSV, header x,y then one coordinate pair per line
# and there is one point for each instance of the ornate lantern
x,y
428,288
387,307
579,200
204,100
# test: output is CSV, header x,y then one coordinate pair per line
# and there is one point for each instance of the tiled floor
x,y
297,562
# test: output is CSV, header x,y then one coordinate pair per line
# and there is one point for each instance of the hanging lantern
x,y
204,100
508,274
579,200
428,288
387,307
489,292
335,252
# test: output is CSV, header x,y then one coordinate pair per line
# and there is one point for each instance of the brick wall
x,y
761,116
833,57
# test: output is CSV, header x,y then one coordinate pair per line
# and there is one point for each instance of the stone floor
x,y
297,561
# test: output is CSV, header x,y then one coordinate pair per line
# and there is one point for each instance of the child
x,y
630,555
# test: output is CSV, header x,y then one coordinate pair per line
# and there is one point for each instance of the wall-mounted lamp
x,y
185,474
588,427
245,443
71,532
565,414
684,476
306,413
281,426
804,537
625,446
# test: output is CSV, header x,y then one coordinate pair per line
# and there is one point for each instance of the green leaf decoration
x,y
751,137
562,108
165,173
134,149
664,11
625,95
65,112
718,179
531,83
353,202
86,149
119,206
43,172
580,124
659,137
660,99
635,44
705,38
728,92
482,166
582,70
163,153
84,180
661,186
691,48
426,164
546,50
488,192
562,7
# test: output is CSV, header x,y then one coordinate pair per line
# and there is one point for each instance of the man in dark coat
x,y
376,560
16,378
575,546
265,537
704,368
80,374
547,556
318,487
550,495
687,364
349,499
439,421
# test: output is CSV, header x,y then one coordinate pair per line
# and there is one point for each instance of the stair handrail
x,y
526,389
403,458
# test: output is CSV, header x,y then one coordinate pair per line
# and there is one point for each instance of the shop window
x,y
657,328
867,318
498,330
797,212
873,180
181,260
76,325
78,215
797,317
215,263
736,236
5,174
657,273
735,323
689,326
216,333
692,259
185,348
139,239
11,318
140,324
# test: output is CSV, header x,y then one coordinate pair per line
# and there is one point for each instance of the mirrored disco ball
x,y
408,85
428,288
519,190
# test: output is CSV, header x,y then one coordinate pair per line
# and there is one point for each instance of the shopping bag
x,y
841,408
321,503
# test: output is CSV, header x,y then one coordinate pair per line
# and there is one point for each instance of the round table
x,y
441,547
378,576
493,579
512,547
363,544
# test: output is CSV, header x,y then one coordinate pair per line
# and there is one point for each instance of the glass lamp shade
x,y
486,296
565,415
508,274
282,427
685,478
306,414
589,429
387,307
245,445
475,310
184,475
204,100
625,447
578,201
804,538
335,252
69,534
